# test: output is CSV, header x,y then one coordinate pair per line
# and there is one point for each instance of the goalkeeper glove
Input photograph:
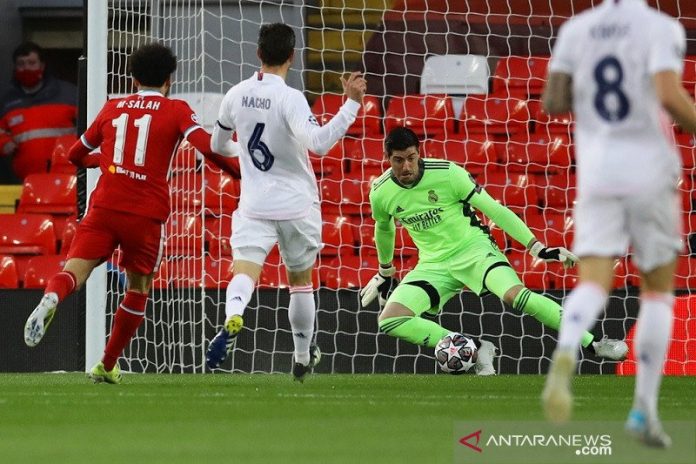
x,y
539,250
380,286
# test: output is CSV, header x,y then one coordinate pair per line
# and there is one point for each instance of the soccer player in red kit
x,y
138,137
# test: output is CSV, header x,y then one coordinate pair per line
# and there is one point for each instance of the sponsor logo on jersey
x,y
127,172
313,120
423,221
432,196
195,118
399,209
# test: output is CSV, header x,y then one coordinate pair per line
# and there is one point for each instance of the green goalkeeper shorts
x,y
430,285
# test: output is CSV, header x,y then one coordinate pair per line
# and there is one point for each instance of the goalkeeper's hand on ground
x,y
380,286
539,250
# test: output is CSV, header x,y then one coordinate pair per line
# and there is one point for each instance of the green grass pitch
x,y
169,419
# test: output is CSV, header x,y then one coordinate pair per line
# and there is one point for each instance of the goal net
x,y
467,77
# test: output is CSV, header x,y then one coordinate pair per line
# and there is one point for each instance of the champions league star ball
x,y
456,353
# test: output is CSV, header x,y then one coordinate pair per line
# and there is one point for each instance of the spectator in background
x,y
33,113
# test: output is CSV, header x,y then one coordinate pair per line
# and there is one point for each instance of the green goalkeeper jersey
x,y
436,210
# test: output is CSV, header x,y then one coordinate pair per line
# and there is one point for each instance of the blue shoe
x,y
223,343
648,431
300,371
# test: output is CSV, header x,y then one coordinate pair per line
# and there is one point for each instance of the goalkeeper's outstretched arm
x,y
503,217
518,230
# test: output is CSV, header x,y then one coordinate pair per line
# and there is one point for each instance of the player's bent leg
x,y
547,311
73,275
401,315
128,317
248,264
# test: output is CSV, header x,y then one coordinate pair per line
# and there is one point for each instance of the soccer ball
x,y
456,353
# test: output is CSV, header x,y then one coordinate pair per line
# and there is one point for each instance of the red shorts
x,y
102,230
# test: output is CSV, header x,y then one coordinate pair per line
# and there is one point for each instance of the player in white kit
x,y
618,67
279,196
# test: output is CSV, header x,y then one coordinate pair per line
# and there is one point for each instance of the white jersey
x,y
624,137
275,127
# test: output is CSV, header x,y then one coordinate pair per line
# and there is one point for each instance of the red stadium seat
x,y
686,144
41,268
537,153
337,236
532,271
31,234
194,272
513,190
686,190
59,158
368,121
625,273
350,271
179,273
686,273
68,234
347,196
565,279
493,115
560,229
689,75
218,230
367,159
332,163
8,272
559,193
475,153
371,149
221,192
424,114
184,234
218,273
520,75
49,193
547,125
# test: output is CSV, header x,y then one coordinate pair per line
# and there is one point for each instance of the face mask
x,y
29,78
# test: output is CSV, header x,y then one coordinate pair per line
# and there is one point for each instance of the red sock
x,y
126,322
62,284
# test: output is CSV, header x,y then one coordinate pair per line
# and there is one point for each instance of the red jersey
x,y
138,137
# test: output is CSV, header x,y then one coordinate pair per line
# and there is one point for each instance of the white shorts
x,y
299,240
649,223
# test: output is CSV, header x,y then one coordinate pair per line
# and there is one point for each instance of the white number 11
x,y
143,125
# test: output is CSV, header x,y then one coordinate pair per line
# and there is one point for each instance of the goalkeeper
x,y
435,200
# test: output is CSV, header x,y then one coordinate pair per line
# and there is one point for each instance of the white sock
x,y
580,311
301,314
653,334
239,293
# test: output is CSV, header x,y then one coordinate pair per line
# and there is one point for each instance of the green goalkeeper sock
x,y
414,330
544,310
